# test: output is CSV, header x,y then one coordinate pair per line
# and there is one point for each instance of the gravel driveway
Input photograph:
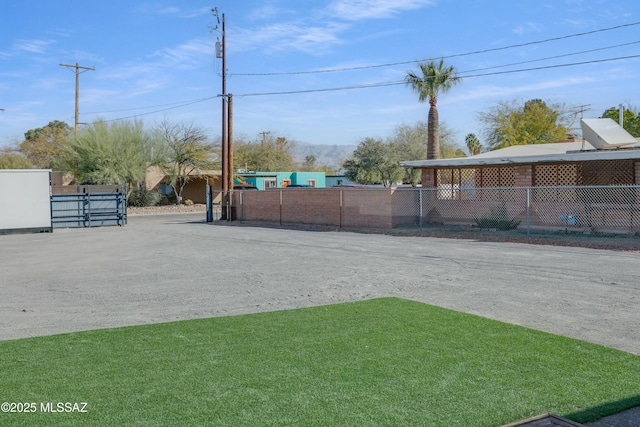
x,y
169,267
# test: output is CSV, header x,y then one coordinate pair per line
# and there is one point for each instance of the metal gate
x,y
88,206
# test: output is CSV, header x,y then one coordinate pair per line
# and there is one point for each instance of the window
x,y
311,183
272,183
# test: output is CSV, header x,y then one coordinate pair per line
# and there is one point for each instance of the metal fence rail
x,y
595,208
70,210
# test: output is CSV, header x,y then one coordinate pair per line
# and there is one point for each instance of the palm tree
x,y
473,144
435,79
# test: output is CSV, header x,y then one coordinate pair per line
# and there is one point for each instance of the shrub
x,y
498,218
188,202
143,197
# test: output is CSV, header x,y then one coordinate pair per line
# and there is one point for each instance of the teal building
x,y
270,180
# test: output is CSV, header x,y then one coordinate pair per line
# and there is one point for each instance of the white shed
x,y
25,200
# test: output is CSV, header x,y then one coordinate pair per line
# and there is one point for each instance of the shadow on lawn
x,y
606,409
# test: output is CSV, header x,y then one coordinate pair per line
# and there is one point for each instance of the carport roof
x,y
560,152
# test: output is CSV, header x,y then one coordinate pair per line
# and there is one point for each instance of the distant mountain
x,y
326,155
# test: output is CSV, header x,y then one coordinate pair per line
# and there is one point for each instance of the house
x,y
608,156
195,189
270,180
591,183
339,180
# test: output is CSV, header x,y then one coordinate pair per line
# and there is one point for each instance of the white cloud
x,y
187,53
156,9
265,12
285,36
495,91
315,34
527,28
353,10
33,46
194,13
59,32
167,10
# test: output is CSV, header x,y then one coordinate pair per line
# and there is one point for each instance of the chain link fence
x,y
592,209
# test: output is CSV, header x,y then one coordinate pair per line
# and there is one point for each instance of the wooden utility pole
x,y
230,144
78,68
222,54
227,117
264,136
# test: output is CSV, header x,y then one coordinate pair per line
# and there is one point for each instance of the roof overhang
x,y
567,157
604,140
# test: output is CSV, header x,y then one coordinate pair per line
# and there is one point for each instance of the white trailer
x,y
25,200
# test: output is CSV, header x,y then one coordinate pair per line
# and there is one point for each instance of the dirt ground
x,y
575,238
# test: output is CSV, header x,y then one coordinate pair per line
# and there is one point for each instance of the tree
x,y
45,146
186,150
112,153
630,119
508,123
309,164
269,154
374,162
473,144
14,161
410,143
432,80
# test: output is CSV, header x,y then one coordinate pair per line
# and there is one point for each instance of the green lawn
x,y
379,362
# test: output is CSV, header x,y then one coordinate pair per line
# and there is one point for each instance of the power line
x,y
547,67
164,109
457,55
401,82
555,57
178,104
372,85
186,102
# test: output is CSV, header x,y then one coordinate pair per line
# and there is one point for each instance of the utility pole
x,y
221,53
264,136
78,72
230,144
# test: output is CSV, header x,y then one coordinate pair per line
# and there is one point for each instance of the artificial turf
x,y
378,362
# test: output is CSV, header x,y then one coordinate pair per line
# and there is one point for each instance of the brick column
x,y
428,178
524,176
637,168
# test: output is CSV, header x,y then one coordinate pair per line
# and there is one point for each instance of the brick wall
x,y
428,178
523,176
311,206
375,208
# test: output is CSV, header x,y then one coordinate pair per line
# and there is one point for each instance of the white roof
x,y
605,134
561,152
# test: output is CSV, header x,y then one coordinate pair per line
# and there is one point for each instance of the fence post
x,y
341,205
87,196
528,212
420,208
280,207
209,204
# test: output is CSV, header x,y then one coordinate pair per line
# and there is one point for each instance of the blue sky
x,y
156,60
